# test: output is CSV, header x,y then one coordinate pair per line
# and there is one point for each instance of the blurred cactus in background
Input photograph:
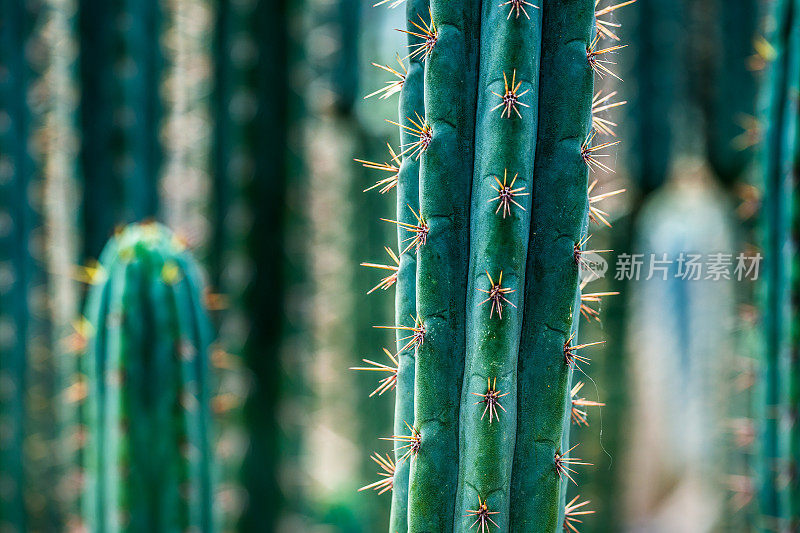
x,y
727,83
24,328
778,397
121,69
38,146
148,458
480,464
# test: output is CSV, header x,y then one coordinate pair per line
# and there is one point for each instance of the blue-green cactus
x,y
148,460
504,147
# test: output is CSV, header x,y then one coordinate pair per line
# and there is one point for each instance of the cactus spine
x,y
777,458
148,457
446,163
556,235
412,101
504,145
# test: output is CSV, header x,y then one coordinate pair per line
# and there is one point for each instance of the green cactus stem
x,y
20,269
451,57
411,102
556,232
780,152
148,456
505,138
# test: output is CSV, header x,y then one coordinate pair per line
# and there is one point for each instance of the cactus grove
x,y
147,457
235,123
493,213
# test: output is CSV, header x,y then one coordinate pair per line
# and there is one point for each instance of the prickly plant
x,y
495,221
730,87
658,58
121,70
22,291
147,457
777,482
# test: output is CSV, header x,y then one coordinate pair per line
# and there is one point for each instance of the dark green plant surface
x,y
657,94
21,272
559,214
121,74
445,177
776,486
251,164
148,456
412,103
731,88
499,236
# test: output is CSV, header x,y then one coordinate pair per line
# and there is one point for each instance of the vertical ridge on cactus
x,y
147,366
505,140
550,297
778,487
412,103
446,173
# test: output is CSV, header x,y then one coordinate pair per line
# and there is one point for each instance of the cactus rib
x,y
411,103
505,138
445,177
558,220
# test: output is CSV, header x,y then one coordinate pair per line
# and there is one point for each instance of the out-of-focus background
x,y
236,123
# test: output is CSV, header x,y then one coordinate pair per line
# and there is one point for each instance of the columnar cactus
x,y
731,91
504,141
777,482
121,66
22,291
656,29
148,457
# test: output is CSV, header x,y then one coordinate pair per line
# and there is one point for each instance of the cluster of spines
x,y
401,174
506,200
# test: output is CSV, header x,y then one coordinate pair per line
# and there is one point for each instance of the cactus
x,y
504,147
780,162
657,92
121,76
148,456
731,89
22,294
